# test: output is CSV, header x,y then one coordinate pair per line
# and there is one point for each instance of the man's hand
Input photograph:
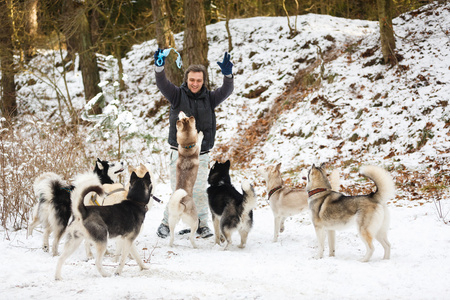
x,y
226,65
160,59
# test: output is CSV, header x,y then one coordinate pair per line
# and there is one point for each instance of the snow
x,y
369,99
418,268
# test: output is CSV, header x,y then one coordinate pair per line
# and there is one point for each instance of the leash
x,y
166,53
112,192
94,196
156,199
94,199
315,191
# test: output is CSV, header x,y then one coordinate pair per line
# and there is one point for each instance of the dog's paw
x,y
106,274
45,248
364,259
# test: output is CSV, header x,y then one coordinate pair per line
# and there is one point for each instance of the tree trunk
x,y
385,8
165,39
8,102
31,27
195,42
80,29
89,67
227,25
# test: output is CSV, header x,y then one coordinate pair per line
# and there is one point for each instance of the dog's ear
x,y
147,177
131,169
278,167
322,166
99,164
179,125
228,163
133,177
192,121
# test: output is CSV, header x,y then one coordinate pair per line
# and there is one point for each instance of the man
x,y
194,99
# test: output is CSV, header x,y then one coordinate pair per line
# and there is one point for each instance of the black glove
x,y
160,59
226,65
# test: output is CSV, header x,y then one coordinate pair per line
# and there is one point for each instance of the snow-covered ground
x,y
418,268
364,112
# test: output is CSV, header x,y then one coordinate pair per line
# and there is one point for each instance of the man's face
x,y
195,81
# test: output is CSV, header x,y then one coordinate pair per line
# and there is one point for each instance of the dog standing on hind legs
x,y
181,204
230,209
332,211
99,223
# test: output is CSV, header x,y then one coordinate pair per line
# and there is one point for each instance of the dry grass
x,y
25,153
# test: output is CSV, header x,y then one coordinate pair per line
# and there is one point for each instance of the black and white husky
x,y
53,209
99,223
230,209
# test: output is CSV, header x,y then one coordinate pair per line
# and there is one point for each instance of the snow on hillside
x,y
364,112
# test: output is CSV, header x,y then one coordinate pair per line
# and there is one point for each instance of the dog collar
x,y
188,146
272,191
315,191
141,204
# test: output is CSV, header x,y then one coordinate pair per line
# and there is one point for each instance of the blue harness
x,y
166,53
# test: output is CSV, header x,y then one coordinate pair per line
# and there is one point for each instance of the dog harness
x,y
272,191
315,191
94,196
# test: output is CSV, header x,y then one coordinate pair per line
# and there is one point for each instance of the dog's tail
x,y
383,180
84,184
335,181
45,186
249,196
174,202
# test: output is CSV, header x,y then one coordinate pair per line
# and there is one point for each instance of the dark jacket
x,y
200,105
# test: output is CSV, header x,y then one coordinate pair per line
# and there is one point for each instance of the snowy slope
x,y
360,105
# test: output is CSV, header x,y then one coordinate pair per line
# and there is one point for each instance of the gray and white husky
x,y
286,201
332,210
99,223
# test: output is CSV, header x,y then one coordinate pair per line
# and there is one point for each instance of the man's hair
x,y
195,68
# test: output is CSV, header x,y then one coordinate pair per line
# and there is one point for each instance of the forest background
x,y
85,30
